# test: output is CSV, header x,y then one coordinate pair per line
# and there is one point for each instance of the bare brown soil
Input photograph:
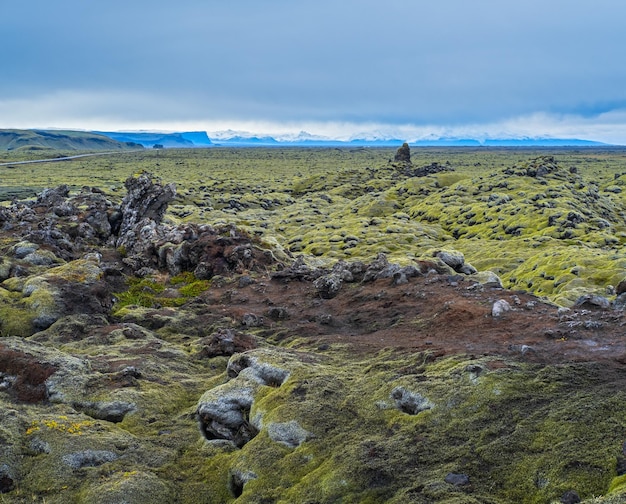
x,y
438,314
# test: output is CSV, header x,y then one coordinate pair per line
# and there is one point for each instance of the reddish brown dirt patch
x,y
30,375
437,314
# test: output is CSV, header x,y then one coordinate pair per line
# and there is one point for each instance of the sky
x,y
407,69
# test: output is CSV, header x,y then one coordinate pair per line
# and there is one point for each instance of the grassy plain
x,y
559,234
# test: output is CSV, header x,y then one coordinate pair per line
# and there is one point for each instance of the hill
x,y
168,140
15,139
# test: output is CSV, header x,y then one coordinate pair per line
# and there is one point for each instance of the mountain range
x,y
13,139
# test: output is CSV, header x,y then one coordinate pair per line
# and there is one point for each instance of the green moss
x,y
194,289
618,484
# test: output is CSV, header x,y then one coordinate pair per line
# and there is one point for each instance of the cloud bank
x,y
339,69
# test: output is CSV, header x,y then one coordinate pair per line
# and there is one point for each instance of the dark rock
x,y
375,267
324,319
251,320
89,458
146,200
244,281
53,196
457,479
538,167
7,483
430,169
409,402
299,270
452,258
225,342
278,313
592,301
399,278
114,411
227,417
131,372
238,480
259,372
97,216
328,286
570,497
621,466
403,154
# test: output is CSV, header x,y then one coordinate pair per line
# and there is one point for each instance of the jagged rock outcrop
x,y
142,212
403,154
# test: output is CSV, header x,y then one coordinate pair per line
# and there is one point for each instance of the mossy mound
x,y
517,431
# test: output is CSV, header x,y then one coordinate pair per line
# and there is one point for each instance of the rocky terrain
x,y
143,360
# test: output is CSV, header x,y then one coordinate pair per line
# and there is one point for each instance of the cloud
x,y
122,110
348,66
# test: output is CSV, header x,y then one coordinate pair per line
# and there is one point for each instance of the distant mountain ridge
x,y
307,140
13,139
16,139
168,140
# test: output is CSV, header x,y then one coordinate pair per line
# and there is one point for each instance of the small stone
x,y
619,303
570,497
39,446
457,479
500,307
278,313
244,281
409,402
7,482
251,320
324,319
399,278
563,311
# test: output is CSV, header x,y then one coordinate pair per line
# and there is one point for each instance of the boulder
x,y
289,433
328,286
89,458
224,413
499,308
592,301
410,402
452,258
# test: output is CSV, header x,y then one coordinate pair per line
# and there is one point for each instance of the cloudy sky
x,y
337,68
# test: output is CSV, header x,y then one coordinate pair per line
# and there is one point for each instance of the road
x,y
66,158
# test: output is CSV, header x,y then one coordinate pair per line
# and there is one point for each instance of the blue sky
x,y
343,68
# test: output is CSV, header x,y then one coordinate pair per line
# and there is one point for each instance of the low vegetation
x,y
558,233
254,382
